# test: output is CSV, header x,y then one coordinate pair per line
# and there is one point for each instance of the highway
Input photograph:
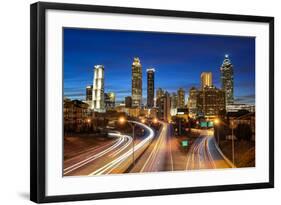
x,y
154,158
205,154
152,153
113,157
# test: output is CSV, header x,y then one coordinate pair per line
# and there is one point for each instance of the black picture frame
x,y
38,101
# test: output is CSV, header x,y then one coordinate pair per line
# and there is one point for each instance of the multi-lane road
x,y
205,154
155,156
152,152
112,157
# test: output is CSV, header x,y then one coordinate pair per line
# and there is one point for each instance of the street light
x,y
122,120
232,136
155,120
89,124
217,122
142,120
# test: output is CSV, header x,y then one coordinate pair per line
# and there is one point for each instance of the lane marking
x,y
116,162
115,153
209,154
92,158
171,156
153,152
118,141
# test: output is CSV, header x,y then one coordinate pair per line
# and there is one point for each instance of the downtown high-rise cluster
x,y
206,100
209,100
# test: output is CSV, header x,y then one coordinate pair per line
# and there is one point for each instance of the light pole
x,y
217,122
155,121
232,126
122,120
232,136
89,124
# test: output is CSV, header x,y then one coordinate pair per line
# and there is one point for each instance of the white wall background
x,y
14,100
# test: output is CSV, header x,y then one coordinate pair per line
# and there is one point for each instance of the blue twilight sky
x,y
178,60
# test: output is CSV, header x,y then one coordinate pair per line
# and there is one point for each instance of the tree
x,y
243,132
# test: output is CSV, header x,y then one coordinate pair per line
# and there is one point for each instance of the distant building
x,y
77,116
240,106
133,111
159,93
164,107
150,87
227,80
174,100
211,101
98,89
89,93
174,104
181,98
136,83
109,99
151,113
128,101
206,80
182,113
120,108
192,101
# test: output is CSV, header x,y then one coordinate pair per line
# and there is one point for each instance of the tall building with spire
x,y
136,83
98,89
150,87
227,80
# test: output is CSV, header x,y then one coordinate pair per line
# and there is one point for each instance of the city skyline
x,y
118,70
156,128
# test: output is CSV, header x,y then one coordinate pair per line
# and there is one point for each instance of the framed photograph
x,y
129,102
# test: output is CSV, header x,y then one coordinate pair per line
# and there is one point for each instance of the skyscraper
x,y
109,100
211,101
128,101
89,93
174,103
150,87
164,107
192,101
181,98
159,93
136,83
206,79
227,80
98,88
89,96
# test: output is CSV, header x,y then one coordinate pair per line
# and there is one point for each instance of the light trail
x,y
116,162
171,155
201,154
155,148
121,139
130,139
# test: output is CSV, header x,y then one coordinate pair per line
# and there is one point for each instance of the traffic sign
x,y
184,143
